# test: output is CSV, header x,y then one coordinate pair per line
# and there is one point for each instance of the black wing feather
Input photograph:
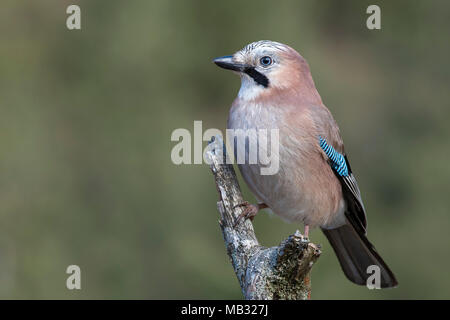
x,y
355,213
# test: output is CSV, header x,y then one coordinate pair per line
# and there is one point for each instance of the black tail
x,y
355,254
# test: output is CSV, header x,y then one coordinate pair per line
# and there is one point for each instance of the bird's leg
x,y
306,233
250,210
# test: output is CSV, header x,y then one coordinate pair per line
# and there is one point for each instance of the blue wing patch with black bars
x,y
337,160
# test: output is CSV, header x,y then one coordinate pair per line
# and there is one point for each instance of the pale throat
x,y
249,88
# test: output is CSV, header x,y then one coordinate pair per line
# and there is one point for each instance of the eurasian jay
x,y
314,184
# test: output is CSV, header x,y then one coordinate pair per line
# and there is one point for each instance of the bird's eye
x,y
266,61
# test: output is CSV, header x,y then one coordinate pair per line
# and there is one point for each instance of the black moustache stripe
x,y
257,76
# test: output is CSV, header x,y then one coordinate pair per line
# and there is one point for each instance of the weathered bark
x,y
264,273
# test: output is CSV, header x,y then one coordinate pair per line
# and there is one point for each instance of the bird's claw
x,y
249,212
242,204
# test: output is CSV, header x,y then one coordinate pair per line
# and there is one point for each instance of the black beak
x,y
226,62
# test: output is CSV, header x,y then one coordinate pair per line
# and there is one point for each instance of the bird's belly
x,y
296,195
284,192
300,191
284,196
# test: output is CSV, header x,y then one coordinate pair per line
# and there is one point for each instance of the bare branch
x,y
264,273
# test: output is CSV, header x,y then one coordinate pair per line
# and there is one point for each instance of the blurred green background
x,y
86,117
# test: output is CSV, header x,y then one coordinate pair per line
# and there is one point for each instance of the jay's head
x,y
267,67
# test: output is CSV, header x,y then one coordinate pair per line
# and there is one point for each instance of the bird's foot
x,y
249,212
